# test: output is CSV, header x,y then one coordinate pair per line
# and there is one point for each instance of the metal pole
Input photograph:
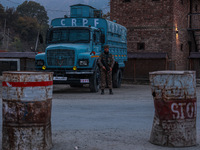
x,y
4,33
36,44
7,39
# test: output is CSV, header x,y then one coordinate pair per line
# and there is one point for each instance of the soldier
x,y
106,62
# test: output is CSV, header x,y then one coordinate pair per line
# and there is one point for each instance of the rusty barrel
x,y
174,94
26,104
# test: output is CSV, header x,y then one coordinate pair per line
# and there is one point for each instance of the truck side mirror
x,y
49,35
102,38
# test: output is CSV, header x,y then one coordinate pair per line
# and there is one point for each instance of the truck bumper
x,y
71,77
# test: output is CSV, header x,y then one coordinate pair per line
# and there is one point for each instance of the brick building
x,y
164,32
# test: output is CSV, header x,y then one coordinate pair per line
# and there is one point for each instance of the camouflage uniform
x,y
106,60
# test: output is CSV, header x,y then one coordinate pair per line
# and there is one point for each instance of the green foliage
x,y
1,8
24,24
33,10
11,17
2,14
17,44
27,27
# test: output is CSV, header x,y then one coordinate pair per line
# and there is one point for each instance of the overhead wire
x,y
47,9
56,10
13,2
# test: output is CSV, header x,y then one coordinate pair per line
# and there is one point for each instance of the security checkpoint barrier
x,y
174,94
26,105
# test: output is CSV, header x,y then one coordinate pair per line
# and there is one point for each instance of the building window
x,y
181,47
126,1
182,2
140,46
196,8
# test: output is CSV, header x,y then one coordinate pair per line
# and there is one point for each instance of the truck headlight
x,y
39,62
83,62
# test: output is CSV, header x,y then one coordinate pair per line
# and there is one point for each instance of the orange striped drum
x,y
27,102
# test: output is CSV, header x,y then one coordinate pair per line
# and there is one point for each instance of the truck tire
x,y
95,80
117,78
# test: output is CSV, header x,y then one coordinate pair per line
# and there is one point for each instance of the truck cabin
x,y
75,35
78,28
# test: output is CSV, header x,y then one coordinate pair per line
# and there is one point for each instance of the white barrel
x,y
174,94
27,103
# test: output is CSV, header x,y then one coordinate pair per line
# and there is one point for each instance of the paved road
x,y
90,121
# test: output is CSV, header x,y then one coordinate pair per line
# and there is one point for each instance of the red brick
x,y
154,23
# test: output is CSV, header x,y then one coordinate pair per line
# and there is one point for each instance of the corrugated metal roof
x,y
194,55
147,55
17,54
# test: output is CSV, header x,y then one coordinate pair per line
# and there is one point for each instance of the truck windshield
x,y
68,36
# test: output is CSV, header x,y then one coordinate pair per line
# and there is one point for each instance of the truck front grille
x,y
60,57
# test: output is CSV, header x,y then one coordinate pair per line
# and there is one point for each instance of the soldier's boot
x,y
102,92
111,92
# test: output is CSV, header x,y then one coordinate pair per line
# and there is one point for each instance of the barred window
x,y
181,47
140,46
182,2
196,8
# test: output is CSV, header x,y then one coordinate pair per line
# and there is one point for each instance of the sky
x,y
59,8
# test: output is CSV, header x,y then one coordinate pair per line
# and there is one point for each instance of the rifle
x,y
106,66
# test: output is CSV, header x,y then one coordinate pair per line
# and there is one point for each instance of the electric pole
x,y
4,34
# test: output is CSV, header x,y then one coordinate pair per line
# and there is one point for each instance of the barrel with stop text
x,y
174,94
27,103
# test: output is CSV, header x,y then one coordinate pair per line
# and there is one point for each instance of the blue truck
x,y
74,45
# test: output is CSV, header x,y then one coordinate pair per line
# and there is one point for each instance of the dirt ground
x,y
90,121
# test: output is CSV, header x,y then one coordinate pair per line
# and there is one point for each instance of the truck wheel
x,y
117,78
95,81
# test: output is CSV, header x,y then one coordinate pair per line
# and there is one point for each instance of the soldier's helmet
x,y
106,46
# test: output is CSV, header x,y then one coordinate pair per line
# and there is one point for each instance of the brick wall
x,y
148,22
195,6
156,40
180,46
154,24
142,12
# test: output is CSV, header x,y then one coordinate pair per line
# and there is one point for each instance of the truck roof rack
x,y
85,11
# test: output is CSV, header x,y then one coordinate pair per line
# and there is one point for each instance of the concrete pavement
x,y
91,121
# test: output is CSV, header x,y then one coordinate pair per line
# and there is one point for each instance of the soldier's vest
x,y
107,58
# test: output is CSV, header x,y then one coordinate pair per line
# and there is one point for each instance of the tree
x,y
28,28
1,8
2,15
106,16
11,17
17,44
33,10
